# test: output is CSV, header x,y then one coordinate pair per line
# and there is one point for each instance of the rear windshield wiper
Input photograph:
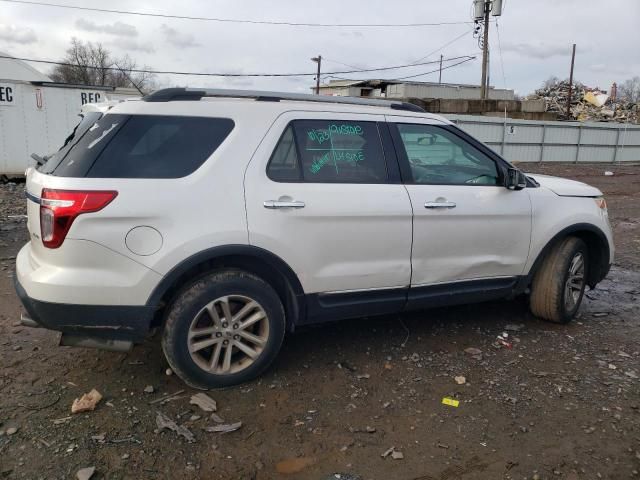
x,y
40,160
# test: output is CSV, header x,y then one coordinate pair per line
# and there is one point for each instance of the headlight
x,y
602,205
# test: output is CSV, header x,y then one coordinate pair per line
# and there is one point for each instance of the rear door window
x,y
144,146
327,151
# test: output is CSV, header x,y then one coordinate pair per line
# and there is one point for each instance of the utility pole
x,y
573,58
440,75
318,60
485,50
482,9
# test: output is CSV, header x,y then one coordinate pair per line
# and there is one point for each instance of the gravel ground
x,y
562,402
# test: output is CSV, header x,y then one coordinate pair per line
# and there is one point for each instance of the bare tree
x,y
629,90
550,82
92,64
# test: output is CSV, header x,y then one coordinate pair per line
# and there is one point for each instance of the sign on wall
x,y
90,97
7,94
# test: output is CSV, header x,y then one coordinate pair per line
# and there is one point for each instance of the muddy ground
x,y
562,403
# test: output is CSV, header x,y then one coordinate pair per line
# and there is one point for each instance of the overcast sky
x,y
535,37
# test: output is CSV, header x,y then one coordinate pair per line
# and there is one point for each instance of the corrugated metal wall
x,y
444,91
537,141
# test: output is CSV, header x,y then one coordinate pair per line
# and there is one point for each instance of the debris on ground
x,y
342,476
12,430
167,398
474,352
587,104
501,341
395,454
87,402
452,402
149,389
388,452
460,380
162,421
224,427
85,473
60,421
216,418
204,401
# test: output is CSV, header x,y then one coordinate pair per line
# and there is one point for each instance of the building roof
x,y
13,69
342,83
377,83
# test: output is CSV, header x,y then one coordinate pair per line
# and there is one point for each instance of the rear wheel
x,y
224,329
558,286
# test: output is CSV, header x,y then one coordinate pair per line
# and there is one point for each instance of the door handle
x,y
279,204
440,205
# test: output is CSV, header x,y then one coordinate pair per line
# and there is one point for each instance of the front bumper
x,y
113,322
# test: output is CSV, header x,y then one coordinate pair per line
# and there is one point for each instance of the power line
x,y
437,69
237,20
339,63
415,61
504,77
328,75
444,46
162,72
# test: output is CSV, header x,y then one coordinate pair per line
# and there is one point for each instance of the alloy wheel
x,y
228,334
575,282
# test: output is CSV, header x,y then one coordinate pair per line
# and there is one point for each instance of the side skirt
x,y
327,307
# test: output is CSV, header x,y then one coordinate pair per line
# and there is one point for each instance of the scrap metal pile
x,y
587,104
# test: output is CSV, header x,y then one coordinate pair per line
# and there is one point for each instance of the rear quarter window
x,y
144,146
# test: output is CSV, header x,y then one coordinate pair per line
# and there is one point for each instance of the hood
x,y
565,187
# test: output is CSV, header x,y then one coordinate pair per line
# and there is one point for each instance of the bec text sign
x,y
7,94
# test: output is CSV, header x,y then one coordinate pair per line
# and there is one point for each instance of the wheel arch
x,y
258,261
596,242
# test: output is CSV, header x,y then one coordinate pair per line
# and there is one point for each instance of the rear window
x,y
144,146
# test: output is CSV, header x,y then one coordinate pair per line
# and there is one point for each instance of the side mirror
x,y
515,179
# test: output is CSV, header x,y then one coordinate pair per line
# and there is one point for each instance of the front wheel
x,y
558,287
224,329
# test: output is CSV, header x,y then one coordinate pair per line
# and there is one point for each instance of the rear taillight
x,y
59,208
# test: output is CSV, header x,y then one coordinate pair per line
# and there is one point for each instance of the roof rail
x,y
172,94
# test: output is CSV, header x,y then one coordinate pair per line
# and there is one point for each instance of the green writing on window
x,y
319,136
335,141
345,129
318,163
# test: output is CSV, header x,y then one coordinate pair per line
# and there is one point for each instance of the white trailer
x,y
37,116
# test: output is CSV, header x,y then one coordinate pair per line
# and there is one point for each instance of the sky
x,y
530,42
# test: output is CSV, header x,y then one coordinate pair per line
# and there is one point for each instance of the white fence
x,y
537,141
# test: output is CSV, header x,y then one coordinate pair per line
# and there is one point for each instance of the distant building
x,y
400,89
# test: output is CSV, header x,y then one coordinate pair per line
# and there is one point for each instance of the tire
x,y
197,326
553,296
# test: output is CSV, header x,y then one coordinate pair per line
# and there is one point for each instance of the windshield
x,y
87,120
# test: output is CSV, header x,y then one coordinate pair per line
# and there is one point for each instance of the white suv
x,y
229,217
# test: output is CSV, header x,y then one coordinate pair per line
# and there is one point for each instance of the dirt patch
x,y
562,402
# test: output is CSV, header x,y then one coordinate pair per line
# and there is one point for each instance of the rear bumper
x,y
114,322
